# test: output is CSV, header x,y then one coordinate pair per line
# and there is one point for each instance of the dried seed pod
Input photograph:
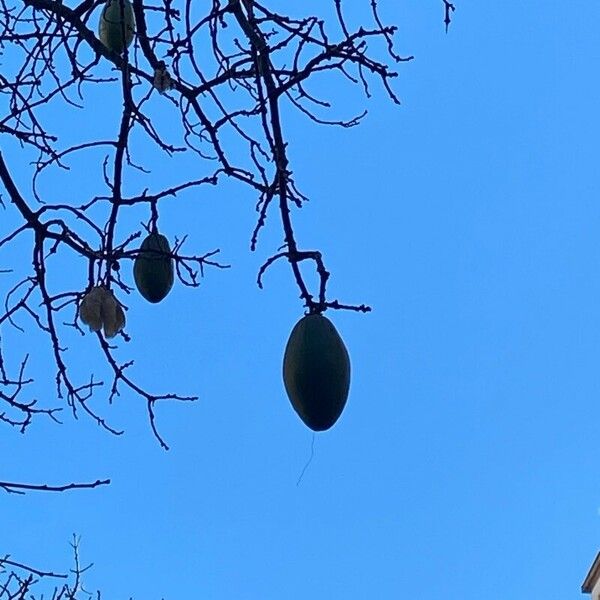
x,y
113,316
100,309
91,307
162,79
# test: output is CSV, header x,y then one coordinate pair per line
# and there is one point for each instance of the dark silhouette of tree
x,y
212,85
20,582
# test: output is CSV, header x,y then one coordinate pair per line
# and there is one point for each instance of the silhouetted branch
x,y
11,563
21,488
449,8
19,581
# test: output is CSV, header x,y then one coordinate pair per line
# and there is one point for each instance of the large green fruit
x,y
316,372
110,29
153,270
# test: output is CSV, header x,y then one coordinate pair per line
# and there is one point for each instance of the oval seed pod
x,y
110,28
153,270
316,372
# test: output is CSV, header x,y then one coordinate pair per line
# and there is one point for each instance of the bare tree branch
x,y
449,8
20,488
19,581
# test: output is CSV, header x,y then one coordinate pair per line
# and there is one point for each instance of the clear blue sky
x,y
465,464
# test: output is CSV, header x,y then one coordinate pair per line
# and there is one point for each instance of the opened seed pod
x,y
99,309
91,307
113,317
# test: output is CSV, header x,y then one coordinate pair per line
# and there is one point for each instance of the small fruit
x,y
153,268
110,28
100,309
316,372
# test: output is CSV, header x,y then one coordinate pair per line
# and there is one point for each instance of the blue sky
x,y
464,465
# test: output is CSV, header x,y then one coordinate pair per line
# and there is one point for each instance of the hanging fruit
x,y
316,372
100,309
110,29
153,268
